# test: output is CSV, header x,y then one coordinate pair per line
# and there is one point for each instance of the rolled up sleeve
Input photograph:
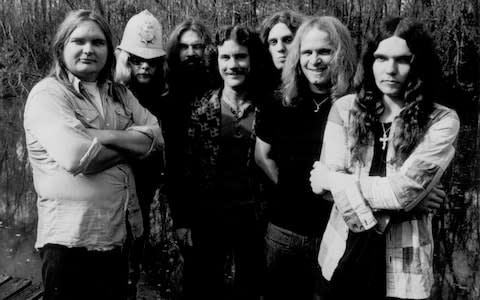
x,y
420,172
50,121
344,187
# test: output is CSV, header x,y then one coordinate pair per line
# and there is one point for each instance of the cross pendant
x,y
384,140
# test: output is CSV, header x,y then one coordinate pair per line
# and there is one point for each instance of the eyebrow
x,y
378,55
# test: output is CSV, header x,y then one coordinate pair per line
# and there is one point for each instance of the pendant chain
x,y
384,139
318,104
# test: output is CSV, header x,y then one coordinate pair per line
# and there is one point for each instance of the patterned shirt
x,y
76,209
362,202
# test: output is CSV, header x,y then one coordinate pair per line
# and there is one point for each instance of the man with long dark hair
x,y
188,77
220,173
385,149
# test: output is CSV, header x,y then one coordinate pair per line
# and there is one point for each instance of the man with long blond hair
x,y
318,69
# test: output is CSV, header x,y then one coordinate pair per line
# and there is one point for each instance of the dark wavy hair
x,y
245,36
419,94
174,78
342,65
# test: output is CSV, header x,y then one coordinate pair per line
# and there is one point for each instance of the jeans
x,y
76,273
292,267
234,235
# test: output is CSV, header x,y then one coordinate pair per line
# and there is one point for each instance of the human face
x,y
279,39
191,47
392,66
316,54
233,64
143,69
85,51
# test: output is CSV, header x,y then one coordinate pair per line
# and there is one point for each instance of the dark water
x,y
18,256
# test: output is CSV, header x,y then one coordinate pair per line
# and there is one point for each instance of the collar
x,y
77,84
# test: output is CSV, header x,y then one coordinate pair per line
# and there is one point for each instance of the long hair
x,y
342,66
71,22
248,38
174,78
419,92
292,20
123,70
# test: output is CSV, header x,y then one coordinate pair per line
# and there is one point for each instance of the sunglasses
x,y
136,60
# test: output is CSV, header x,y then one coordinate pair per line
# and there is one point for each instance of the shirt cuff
x,y
351,203
155,134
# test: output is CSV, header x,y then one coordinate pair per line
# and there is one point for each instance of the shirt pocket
x,y
123,118
88,117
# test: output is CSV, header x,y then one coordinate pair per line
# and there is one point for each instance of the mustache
x,y
237,71
192,60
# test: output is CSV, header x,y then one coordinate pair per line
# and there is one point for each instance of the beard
x,y
192,65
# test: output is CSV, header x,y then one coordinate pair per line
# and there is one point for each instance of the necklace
x,y
318,104
384,139
237,109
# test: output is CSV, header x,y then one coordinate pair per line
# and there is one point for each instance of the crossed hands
x,y
319,178
431,203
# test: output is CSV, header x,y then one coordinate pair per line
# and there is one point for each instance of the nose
x,y
190,51
232,63
390,66
281,47
144,65
87,48
315,59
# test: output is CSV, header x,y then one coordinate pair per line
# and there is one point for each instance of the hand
x,y
432,202
184,236
319,178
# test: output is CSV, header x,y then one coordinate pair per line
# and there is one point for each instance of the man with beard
x,y
188,79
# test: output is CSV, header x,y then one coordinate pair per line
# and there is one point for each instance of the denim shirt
x,y
363,202
76,209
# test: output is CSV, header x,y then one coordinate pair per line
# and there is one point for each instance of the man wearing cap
x,y
140,65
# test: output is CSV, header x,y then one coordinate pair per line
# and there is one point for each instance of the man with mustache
x,y
188,78
220,173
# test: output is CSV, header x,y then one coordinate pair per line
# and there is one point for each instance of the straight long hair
x,y
65,29
59,69
342,66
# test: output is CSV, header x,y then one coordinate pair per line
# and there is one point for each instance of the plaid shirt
x,y
362,202
204,132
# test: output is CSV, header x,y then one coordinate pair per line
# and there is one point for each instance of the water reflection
x,y
18,256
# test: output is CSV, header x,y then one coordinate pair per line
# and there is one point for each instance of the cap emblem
x,y
146,33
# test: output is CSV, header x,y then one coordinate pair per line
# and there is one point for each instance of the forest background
x,y
26,30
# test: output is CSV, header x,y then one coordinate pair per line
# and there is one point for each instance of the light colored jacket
x,y
76,209
362,202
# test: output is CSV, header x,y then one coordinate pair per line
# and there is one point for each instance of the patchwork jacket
x,y
363,202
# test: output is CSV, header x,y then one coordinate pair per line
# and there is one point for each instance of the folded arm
x,y
357,197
